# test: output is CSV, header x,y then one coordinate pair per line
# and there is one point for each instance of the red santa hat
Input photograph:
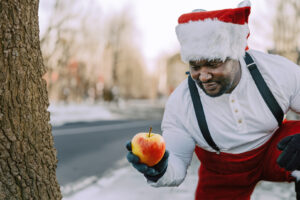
x,y
218,34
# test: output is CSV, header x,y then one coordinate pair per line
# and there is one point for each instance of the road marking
x,y
99,128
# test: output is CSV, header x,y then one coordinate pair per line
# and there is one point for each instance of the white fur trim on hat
x,y
211,39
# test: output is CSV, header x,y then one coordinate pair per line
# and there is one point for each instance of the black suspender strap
x,y
200,114
264,89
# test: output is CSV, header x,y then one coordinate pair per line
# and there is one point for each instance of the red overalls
x,y
234,176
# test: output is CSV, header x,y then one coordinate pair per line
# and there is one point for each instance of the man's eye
x,y
215,64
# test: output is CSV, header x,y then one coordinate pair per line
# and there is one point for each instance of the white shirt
x,y
238,122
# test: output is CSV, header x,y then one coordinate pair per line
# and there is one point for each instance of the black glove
x,y
289,159
151,173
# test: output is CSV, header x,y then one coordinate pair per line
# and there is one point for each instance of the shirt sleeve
x,y
295,84
179,144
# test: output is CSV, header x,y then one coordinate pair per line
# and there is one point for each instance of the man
x,y
229,111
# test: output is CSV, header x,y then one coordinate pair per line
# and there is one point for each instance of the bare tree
x,y
287,29
104,47
27,156
71,37
123,61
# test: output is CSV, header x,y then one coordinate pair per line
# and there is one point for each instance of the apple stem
x,y
150,131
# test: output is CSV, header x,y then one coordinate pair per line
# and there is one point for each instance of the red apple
x,y
149,147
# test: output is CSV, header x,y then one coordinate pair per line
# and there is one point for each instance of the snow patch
x,y
63,113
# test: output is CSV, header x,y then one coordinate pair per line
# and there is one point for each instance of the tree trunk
x,y
27,156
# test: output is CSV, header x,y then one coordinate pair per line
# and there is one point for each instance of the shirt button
x,y
240,121
232,101
236,110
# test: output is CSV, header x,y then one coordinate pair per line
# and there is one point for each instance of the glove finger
x,y
166,155
151,172
295,142
163,163
284,157
298,161
152,178
140,167
132,158
155,177
292,163
282,144
128,145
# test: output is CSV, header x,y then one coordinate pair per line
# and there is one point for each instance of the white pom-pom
x,y
245,3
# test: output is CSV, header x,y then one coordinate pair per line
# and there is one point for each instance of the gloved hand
x,y
151,173
290,156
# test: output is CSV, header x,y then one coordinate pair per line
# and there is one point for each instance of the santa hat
x,y
210,35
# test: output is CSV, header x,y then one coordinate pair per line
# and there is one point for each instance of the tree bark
x,y
27,155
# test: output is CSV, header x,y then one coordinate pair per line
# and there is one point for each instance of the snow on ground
x,y
61,113
124,182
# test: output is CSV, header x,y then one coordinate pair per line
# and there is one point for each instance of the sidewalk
x,y
127,184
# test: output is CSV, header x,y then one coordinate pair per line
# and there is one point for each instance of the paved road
x,y
90,149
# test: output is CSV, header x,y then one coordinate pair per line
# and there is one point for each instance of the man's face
x,y
216,77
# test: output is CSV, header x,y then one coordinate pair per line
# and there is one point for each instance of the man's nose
x,y
204,76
